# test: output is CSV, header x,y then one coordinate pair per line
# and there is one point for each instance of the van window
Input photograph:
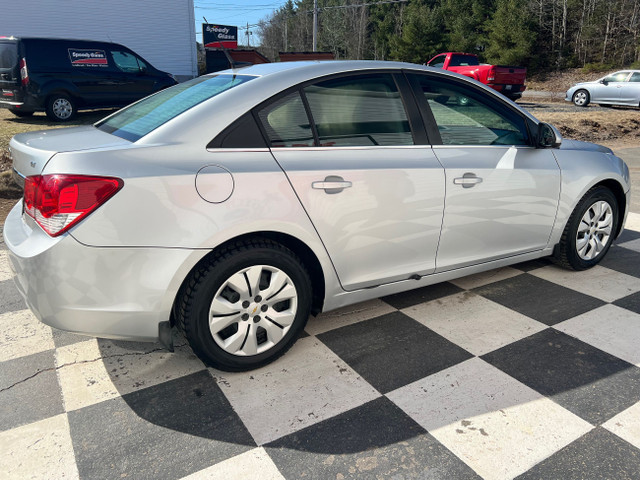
x,y
127,62
141,118
8,59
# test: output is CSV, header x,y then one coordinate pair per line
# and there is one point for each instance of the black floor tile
x,y
583,379
62,338
375,440
627,236
622,260
166,431
393,350
29,390
421,295
632,302
539,299
11,300
532,264
597,455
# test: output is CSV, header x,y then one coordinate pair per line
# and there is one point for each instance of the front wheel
x,y
581,98
246,305
590,230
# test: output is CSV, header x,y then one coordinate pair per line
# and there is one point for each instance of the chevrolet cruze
x,y
235,205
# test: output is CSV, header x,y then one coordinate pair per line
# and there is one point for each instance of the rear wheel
x,y
60,107
590,230
581,98
246,305
21,113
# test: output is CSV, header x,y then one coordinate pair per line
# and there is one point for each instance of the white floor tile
x,y
610,328
498,426
89,373
39,450
22,334
633,222
347,316
307,385
252,465
474,323
599,282
485,278
626,425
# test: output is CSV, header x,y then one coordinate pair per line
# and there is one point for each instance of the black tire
x,y
61,107
210,279
581,98
21,113
566,253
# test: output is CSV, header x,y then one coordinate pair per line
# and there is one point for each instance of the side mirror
x,y
548,136
604,82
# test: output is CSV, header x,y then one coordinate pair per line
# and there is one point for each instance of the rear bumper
x,y
121,293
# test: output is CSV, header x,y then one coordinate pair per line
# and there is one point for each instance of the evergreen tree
x,y
511,34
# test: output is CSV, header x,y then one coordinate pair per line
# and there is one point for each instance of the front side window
x,y
141,118
438,62
616,77
286,122
466,116
360,110
126,62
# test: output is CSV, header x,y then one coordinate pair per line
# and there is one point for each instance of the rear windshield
x,y
134,122
8,57
463,60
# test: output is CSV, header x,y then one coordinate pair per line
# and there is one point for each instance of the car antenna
x,y
232,62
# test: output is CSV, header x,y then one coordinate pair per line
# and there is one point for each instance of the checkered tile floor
x,y
529,372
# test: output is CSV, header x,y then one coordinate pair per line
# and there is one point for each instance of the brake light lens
x,y
58,202
24,73
491,75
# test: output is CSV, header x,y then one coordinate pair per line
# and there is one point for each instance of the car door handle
x,y
332,184
468,180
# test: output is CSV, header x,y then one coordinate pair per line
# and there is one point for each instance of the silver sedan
x,y
235,205
619,88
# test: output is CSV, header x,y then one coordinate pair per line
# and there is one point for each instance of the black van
x,y
63,76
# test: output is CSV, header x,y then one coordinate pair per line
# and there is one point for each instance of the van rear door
x,y
10,93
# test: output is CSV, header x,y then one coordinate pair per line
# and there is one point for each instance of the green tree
x,y
511,34
422,35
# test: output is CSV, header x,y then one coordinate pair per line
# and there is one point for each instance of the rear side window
x,y
141,118
286,122
361,110
466,116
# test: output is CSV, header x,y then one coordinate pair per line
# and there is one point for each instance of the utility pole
x,y
315,25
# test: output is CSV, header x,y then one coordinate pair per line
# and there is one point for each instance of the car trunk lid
x,y
31,151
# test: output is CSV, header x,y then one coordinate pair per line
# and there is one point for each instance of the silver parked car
x,y
235,205
619,88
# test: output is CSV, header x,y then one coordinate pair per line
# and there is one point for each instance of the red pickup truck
x,y
507,80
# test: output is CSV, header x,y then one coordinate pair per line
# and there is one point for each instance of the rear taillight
x,y
491,76
24,73
58,202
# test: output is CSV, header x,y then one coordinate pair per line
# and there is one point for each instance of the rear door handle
x,y
332,184
468,180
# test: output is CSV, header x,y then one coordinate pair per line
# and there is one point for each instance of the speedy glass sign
x,y
219,36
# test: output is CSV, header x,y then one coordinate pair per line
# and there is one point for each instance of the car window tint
x,y
635,77
466,116
362,110
139,119
286,122
616,77
125,61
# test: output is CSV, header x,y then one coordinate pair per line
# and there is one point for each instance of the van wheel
x,y
21,113
60,107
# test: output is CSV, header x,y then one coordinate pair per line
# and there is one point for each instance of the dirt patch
x,y
5,207
561,81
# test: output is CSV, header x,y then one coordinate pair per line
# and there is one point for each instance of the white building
x,y
161,31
